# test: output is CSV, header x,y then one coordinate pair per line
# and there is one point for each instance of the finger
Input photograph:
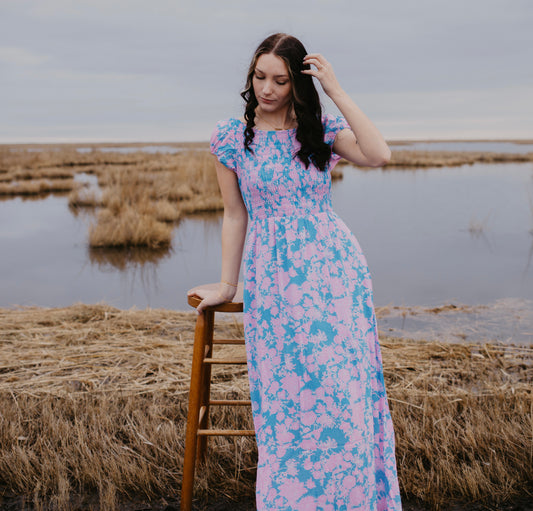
x,y
201,306
312,60
198,291
208,301
314,55
318,65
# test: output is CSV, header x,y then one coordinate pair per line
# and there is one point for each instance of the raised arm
x,y
233,235
363,144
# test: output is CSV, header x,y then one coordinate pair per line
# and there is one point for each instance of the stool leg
x,y
195,395
206,383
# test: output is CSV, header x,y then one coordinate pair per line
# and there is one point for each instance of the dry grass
x,y
139,192
128,228
41,173
37,187
84,197
417,159
137,201
93,403
463,420
336,174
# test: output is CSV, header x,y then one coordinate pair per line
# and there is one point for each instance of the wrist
x,y
226,290
337,95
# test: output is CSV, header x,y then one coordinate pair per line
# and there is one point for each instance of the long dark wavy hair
x,y
305,100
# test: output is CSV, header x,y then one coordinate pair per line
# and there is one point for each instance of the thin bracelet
x,y
224,282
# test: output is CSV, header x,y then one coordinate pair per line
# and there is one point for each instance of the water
x,y
441,235
507,320
45,260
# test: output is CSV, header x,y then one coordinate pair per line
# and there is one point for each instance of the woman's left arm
x,y
363,144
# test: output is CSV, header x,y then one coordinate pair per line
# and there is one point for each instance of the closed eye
x,y
262,78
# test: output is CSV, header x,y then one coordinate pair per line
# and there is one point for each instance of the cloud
x,y
124,62
21,56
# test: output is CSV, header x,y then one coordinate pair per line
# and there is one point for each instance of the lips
x,y
267,101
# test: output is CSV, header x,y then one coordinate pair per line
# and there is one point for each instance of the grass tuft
x,y
128,227
84,197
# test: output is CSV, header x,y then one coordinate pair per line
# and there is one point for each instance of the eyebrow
x,y
276,76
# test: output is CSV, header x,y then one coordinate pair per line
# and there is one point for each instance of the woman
x,y
324,433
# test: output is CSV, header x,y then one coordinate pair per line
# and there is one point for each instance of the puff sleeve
x,y
222,144
332,125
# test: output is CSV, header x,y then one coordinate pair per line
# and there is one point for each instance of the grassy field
x,y
93,404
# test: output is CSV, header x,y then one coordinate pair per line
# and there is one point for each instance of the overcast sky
x,y
167,70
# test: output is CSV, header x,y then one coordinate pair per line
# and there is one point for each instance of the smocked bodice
x,y
272,179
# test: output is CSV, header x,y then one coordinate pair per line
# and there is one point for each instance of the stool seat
x,y
200,401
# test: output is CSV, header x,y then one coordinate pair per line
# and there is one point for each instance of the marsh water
x,y
431,236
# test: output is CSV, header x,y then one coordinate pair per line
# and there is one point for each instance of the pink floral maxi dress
x,y
323,427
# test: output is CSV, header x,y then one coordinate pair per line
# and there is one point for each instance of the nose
x,y
267,89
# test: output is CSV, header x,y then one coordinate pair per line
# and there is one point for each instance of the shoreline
x,y
205,143
507,321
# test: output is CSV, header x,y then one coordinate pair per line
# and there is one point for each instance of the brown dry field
x,y
93,405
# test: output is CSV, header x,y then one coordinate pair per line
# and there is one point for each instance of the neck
x,y
279,121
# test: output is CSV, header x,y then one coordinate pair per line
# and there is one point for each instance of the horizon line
x,y
394,140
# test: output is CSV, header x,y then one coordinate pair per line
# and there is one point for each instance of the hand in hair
x,y
323,72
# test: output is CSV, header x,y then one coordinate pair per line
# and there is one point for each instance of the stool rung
x,y
228,341
226,432
224,360
230,402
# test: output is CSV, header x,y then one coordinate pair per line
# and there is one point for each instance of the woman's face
x,y
271,83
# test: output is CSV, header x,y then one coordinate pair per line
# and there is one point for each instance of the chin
x,y
268,106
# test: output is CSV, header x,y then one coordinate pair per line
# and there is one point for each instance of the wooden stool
x,y
200,391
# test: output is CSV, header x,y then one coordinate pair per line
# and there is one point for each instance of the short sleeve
x,y
332,125
222,143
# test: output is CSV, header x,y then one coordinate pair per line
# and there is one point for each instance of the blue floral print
x,y
324,432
